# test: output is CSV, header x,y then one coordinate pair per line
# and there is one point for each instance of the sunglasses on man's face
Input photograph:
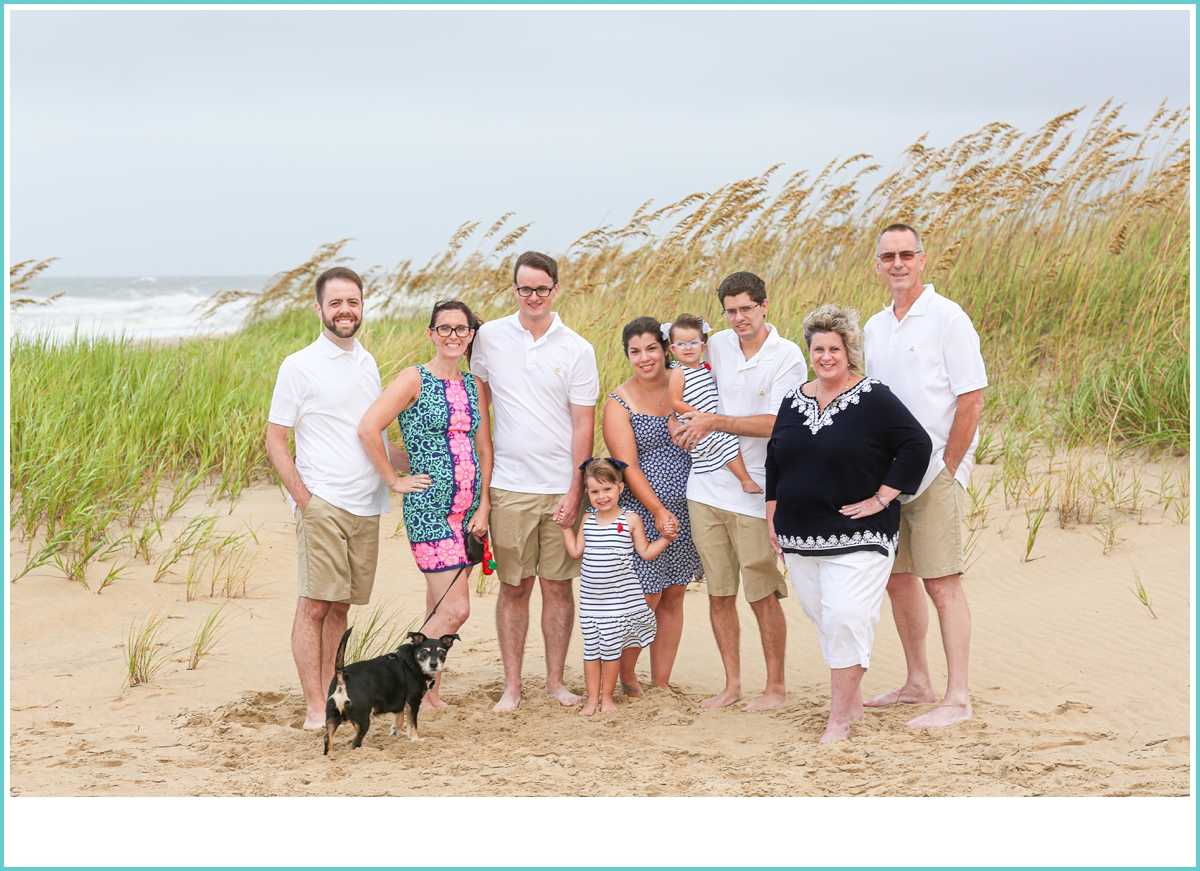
x,y
890,256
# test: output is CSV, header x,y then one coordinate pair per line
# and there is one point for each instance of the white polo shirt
x,y
323,392
745,388
534,383
928,359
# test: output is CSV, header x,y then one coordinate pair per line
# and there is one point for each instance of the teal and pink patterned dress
x,y
439,434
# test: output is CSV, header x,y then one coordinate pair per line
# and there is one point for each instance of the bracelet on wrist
x,y
880,501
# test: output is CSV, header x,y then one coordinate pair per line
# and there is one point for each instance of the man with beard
x,y
336,495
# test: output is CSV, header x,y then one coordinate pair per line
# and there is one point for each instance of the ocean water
x,y
146,307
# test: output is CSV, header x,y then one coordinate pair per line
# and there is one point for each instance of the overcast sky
x,y
225,142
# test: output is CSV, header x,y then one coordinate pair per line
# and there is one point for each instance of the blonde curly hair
x,y
842,320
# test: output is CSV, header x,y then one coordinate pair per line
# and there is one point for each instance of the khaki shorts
x,y
338,552
525,539
733,545
931,530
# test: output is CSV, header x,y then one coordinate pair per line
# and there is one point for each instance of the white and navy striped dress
x,y
613,613
716,449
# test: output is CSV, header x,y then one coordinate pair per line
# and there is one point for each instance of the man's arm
x,y
966,422
699,424
285,465
398,457
583,432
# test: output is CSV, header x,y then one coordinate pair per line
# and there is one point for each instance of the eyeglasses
x,y
542,292
889,256
445,331
731,313
683,346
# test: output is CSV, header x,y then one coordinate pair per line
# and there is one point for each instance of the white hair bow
x,y
666,331
707,329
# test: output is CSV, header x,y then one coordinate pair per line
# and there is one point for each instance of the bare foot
x,y
633,690
666,688
588,709
608,706
508,702
748,486
431,701
563,696
724,698
315,721
835,732
943,715
903,696
766,700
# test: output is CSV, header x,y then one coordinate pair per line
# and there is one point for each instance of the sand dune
x,y
1078,691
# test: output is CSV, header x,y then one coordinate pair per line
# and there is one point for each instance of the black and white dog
x,y
393,683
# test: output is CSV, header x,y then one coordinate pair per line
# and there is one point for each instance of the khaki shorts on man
x,y
525,539
735,547
338,552
931,530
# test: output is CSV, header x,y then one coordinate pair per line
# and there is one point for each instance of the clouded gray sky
x,y
221,142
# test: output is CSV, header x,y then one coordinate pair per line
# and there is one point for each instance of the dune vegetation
x,y
1068,246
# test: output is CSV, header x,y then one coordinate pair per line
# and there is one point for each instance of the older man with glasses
x,y
542,382
754,368
924,347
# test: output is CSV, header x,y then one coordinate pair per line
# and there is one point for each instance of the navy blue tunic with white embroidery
x,y
818,461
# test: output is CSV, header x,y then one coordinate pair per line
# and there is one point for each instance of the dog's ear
x,y
417,637
447,640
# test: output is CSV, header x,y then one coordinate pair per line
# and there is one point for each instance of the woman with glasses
x,y
446,434
638,427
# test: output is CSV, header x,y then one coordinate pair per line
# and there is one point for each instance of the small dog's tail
x,y
338,694
340,663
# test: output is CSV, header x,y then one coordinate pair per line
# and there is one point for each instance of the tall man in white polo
x,y
754,368
542,381
924,347
322,392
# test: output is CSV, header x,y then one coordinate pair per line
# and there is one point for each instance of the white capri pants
x,y
842,595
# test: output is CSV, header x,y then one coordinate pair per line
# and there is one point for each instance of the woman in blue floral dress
x,y
446,434
637,429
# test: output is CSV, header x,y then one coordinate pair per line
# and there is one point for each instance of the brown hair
x,y
640,327
336,272
689,322
473,320
742,282
535,260
896,228
603,471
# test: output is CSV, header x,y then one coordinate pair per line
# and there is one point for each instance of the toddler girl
x,y
613,613
693,388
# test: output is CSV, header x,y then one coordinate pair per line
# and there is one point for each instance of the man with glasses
x,y
924,347
754,368
542,381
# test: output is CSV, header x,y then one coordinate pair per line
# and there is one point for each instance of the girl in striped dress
x,y
693,388
613,614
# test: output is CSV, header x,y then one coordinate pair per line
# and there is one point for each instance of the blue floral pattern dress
x,y
666,467
439,435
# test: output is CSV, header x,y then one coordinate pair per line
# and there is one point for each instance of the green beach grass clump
x,y
1069,247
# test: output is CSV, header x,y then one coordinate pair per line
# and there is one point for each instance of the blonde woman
x,y
842,449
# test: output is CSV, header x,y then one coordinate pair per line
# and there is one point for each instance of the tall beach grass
x,y
1069,247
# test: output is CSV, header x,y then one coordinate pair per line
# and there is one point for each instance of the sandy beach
x,y
1078,690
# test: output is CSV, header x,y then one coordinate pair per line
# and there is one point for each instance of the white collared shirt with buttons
x,y
534,383
928,359
323,392
746,388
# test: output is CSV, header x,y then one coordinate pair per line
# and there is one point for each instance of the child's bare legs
x,y
591,676
608,684
629,681
739,470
